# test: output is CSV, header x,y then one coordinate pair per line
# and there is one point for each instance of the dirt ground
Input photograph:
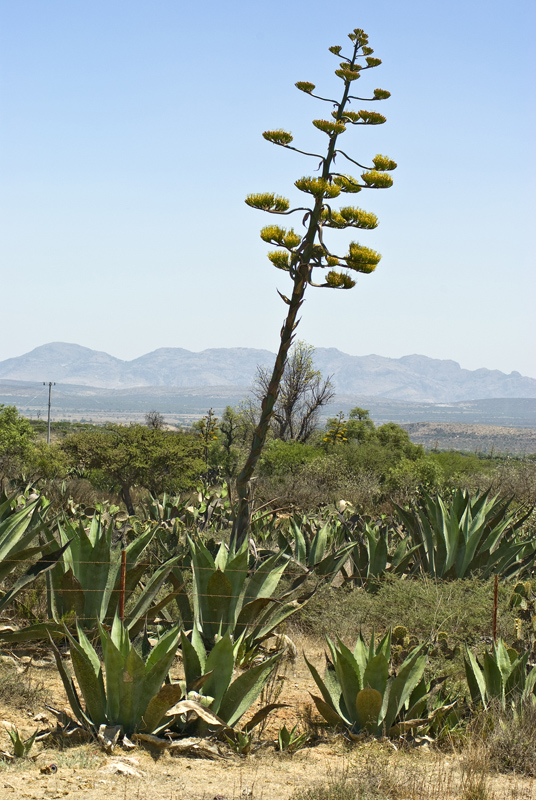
x,y
85,771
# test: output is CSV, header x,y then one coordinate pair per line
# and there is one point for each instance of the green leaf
x,y
169,694
244,691
399,689
376,674
88,673
220,662
327,712
475,679
190,659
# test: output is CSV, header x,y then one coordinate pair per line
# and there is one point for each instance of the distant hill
x,y
414,378
472,438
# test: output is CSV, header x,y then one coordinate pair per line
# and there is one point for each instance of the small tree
x,y
207,429
301,256
154,420
302,393
134,455
16,435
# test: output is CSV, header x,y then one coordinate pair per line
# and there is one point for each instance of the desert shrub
x,y
508,477
463,609
321,482
405,480
455,465
19,689
509,737
284,458
339,789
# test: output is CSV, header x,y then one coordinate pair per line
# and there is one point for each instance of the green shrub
x,y
462,609
286,458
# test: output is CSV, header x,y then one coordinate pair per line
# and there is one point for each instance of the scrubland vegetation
x,y
358,537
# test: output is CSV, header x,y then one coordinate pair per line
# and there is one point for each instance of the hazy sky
x,y
130,134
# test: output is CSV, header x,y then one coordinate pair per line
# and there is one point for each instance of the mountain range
x,y
414,378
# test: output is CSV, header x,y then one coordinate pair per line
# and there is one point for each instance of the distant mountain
x,y
414,378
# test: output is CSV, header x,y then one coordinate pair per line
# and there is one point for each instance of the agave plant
x,y
213,674
19,527
291,741
21,747
360,694
85,582
314,549
467,535
233,593
378,549
502,677
128,690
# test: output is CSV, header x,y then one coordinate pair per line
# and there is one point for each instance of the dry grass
x,y
19,687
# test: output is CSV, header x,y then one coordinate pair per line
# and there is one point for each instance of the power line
x,y
50,385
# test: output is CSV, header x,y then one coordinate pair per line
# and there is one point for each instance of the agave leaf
x,y
399,689
265,578
494,679
368,706
502,659
88,673
110,605
330,688
318,545
516,682
136,692
69,687
300,547
378,561
273,616
166,644
17,531
190,658
376,674
327,712
159,705
250,612
114,665
72,594
41,630
332,563
350,681
261,715
46,562
530,683
145,601
220,662
217,605
187,706
244,691
475,679
236,572
197,642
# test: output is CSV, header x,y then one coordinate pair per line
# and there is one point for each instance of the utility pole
x,y
50,385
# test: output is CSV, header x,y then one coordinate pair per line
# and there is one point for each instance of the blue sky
x,y
130,133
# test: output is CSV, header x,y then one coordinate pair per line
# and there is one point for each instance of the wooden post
x,y
495,604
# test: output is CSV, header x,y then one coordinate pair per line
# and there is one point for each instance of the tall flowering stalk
x,y
303,255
